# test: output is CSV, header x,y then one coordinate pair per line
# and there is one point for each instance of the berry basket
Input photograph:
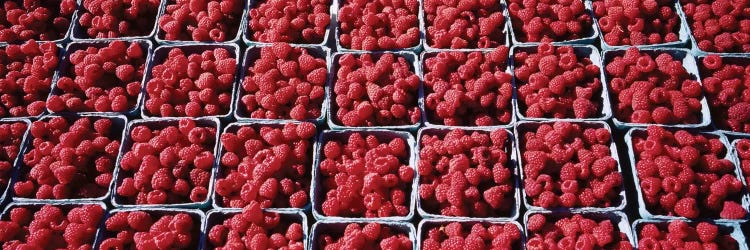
x,y
590,38
215,217
426,224
318,195
525,126
247,33
338,226
693,42
643,210
688,61
618,219
336,6
512,162
735,157
161,123
252,53
161,53
334,123
581,51
78,32
68,33
54,77
6,192
232,128
733,229
683,34
119,123
428,48
738,59
158,33
147,47
197,215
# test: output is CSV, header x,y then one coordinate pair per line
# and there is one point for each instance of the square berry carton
x,y
507,208
214,36
34,108
735,201
490,232
694,47
217,85
404,86
615,222
715,233
67,68
286,188
296,234
687,61
307,35
252,55
504,38
713,79
327,232
603,113
175,228
51,7
588,34
682,32
475,114
412,43
9,166
195,165
389,172
87,177
83,22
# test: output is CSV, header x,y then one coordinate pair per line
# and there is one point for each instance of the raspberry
x,y
112,19
50,221
389,237
403,27
44,21
42,60
216,22
288,26
613,18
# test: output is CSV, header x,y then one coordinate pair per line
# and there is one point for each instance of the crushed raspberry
x,y
169,162
721,26
202,20
726,82
265,163
687,235
470,235
151,229
69,158
742,154
191,81
364,175
255,229
284,82
100,78
653,87
116,18
363,236
27,72
468,89
11,136
646,22
50,226
35,20
555,82
298,22
550,21
579,231
375,90
464,24
378,25
569,165
466,173
685,174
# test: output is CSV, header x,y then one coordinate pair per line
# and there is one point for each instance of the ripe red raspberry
x,y
115,19
151,229
201,21
637,23
475,235
397,21
553,21
449,28
359,236
225,231
11,135
298,22
51,226
679,233
30,67
717,26
483,97
36,20
584,230
727,97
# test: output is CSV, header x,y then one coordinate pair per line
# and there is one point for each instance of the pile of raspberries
x,y
167,163
742,151
50,227
550,21
726,83
471,236
359,236
266,163
578,154
554,82
201,20
646,22
464,24
117,18
69,158
375,90
468,89
100,79
579,231
27,76
466,173
685,174
255,229
151,229
35,19
284,82
378,25
11,136
682,234
364,175
299,22
191,84
653,87
719,26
